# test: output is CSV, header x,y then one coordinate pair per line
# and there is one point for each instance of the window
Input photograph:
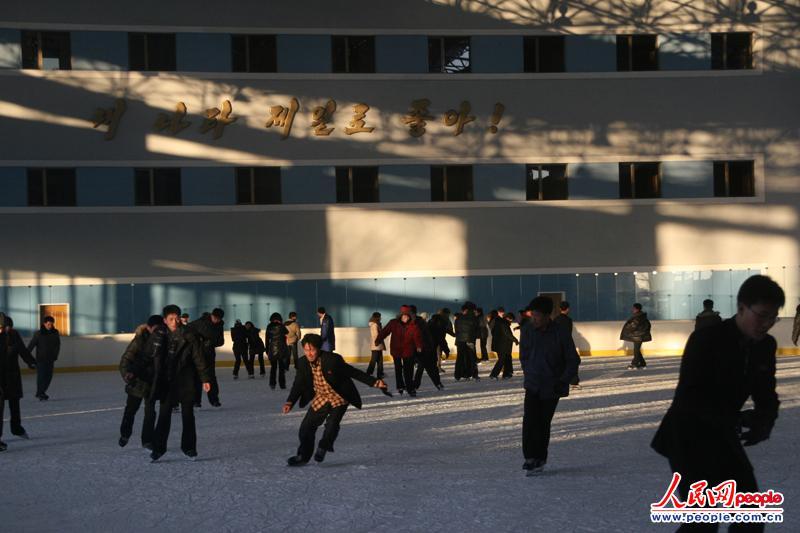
x,y
640,180
451,183
448,54
544,54
158,186
546,182
734,178
258,185
353,54
151,51
51,187
637,52
254,53
356,184
731,51
46,50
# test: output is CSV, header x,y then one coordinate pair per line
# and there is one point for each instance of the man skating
x,y
138,369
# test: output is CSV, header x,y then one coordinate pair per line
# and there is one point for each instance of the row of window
x,y
453,183
49,50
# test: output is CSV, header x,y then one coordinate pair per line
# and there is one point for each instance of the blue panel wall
x,y
404,183
590,53
593,180
10,49
13,187
304,53
99,50
499,182
495,54
308,185
203,52
110,186
688,51
303,300
687,179
208,186
401,53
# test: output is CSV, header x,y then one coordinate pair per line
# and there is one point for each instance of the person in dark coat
x,y
277,350
565,322
324,380
796,326
137,369
47,343
406,341
503,342
426,358
466,329
255,347
178,361
239,340
327,330
483,333
441,326
210,329
11,349
722,366
707,317
637,331
549,361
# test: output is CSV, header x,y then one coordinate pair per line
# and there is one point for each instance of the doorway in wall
x,y
58,311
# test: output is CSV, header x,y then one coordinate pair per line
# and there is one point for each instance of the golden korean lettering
x,y
459,118
216,119
358,124
283,117
175,122
496,116
110,117
320,117
417,116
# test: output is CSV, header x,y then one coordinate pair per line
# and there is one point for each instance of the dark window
x,y
356,184
46,50
451,183
51,187
158,186
448,54
547,182
258,185
731,51
151,51
544,54
353,54
254,53
637,52
734,178
640,180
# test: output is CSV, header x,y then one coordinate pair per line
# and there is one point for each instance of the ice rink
x,y
445,461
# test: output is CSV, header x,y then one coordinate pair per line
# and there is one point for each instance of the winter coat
x,y
636,329
720,369
406,338
483,326
11,349
466,328
178,360
425,335
502,338
210,335
276,340
137,360
337,373
327,331
549,360
440,327
295,333
47,343
796,329
239,338
255,345
707,318
565,322
374,331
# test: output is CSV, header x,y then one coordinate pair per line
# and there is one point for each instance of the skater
x,y
327,330
637,331
255,348
293,339
277,351
11,349
137,369
549,362
239,339
185,319
565,322
503,341
483,333
707,317
210,328
426,358
377,349
722,366
441,326
178,361
796,326
466,330
47,343
406,341
325,380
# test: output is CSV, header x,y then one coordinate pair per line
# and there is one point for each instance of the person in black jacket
x,y
137,369
503,341
722,366
47,343
466,330
426,359
441,326
324,380
483,333
277,350
707,317
255,347
239,340
210,329
563,319
637,331
11,349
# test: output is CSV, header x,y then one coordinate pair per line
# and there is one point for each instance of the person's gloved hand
x,y
759,427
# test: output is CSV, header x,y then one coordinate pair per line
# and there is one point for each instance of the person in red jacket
x,y
405,343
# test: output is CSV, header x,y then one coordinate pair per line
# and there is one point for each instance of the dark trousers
x,y
293,350
638,358
407,367
189,431
466,360
442,348
16,417
398,373
240,355
277,367
44,375
213,394
484,353
131,408
536,425
504,363
576,380
332,417
252,363
426,362
376,360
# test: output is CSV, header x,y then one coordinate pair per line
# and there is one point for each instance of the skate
x,y
155,456
123,441
320,455
296,460
3,446
191,454
533,467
